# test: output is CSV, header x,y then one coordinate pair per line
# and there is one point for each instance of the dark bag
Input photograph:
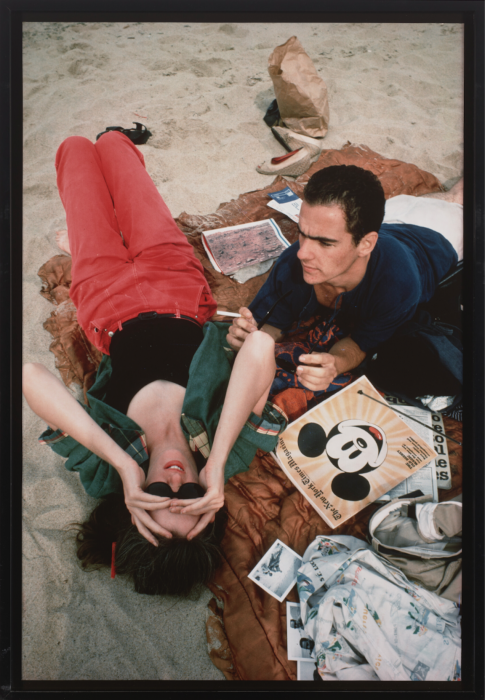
x,y
272,116
425,356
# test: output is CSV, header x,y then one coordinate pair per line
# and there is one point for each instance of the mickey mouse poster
x,y
348,451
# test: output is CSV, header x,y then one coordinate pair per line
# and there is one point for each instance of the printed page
x,y
442,462
236,247
423,480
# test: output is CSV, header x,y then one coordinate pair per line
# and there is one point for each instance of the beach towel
x,y
246,627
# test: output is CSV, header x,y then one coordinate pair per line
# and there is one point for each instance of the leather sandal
x,y
139,135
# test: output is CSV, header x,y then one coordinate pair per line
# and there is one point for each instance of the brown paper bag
x,y
300,92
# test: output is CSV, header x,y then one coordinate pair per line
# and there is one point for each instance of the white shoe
x,y
293,164
291,140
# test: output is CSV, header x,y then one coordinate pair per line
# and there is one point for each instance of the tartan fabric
x,y
133,442
269,423
196,434
136,448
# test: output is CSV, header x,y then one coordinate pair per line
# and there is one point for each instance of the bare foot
x,y
455,194
62,241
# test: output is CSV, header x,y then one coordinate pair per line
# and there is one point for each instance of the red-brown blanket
x,y
246,629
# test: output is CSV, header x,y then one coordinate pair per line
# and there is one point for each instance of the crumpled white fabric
x,y
247,273
362,612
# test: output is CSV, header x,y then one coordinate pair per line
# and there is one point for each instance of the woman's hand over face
x,y
212,479
139,502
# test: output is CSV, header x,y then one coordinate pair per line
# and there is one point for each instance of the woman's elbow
x,y
30,374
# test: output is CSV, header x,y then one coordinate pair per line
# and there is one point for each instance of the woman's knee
x,y
260,343
73,145
111,141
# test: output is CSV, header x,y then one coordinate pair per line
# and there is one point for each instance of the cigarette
x,y
227,313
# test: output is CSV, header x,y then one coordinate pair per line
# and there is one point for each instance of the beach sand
x,y
202,89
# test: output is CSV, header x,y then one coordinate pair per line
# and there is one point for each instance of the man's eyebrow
x,y
322,239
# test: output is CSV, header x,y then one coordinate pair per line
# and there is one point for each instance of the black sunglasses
x,y
289,366
186,491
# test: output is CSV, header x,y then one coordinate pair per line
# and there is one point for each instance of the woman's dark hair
x,y
356,191
176,567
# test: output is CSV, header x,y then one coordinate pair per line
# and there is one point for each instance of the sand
x,y
202,89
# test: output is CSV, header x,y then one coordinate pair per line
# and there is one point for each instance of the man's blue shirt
x,y
403,271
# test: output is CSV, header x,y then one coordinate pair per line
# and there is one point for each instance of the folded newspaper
x,y
233,248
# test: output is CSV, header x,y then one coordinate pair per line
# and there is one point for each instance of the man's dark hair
x,y
356,191
176,567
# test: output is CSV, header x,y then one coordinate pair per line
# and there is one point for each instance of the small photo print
x,y
300,646
276,572
305,670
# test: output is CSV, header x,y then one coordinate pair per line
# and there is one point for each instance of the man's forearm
x,y
347,355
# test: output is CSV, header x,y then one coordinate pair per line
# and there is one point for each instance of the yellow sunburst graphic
x,y
406,451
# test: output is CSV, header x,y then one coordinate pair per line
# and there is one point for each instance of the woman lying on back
x,y
168,422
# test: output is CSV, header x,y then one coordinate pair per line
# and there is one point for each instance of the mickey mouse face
x,y
355,446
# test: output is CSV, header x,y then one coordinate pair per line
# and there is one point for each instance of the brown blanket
x,y
246,629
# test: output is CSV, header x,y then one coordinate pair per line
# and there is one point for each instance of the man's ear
x,y
367,243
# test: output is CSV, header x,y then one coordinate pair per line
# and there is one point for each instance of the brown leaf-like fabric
x,y
76,358
396,176
246,627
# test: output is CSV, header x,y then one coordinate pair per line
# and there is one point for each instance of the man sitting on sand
x,y
353,270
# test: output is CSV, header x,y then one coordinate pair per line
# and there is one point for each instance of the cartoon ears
x,y
312,440
350,487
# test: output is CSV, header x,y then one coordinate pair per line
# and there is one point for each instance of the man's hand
x,y
241,328
317,371
320,369
212,479
138,502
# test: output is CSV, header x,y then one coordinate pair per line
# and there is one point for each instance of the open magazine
x,y
349,450
235,247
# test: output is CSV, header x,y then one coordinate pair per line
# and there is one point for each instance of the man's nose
x,y
305,251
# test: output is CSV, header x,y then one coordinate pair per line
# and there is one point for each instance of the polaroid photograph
x,y
299,645
305,670
276,571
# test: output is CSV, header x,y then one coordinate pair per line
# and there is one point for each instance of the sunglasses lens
x,y
286,365
159,488
188,491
